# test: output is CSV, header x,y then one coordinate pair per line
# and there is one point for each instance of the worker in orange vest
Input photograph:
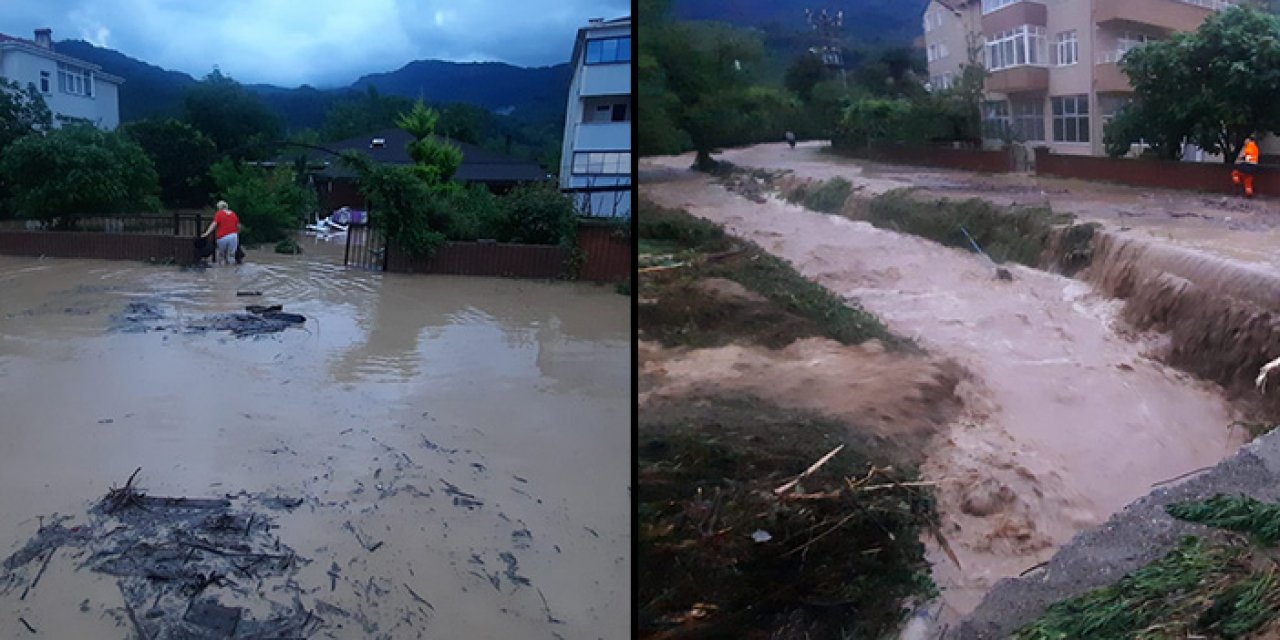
x,y
1246,166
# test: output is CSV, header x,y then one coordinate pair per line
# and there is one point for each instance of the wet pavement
x,y
462,442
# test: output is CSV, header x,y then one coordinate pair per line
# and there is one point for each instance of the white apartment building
x,y
73,89
595,162
1054,78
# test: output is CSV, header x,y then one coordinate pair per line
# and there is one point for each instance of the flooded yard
x,y
460,445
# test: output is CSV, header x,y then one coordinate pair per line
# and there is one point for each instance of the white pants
x,y
227,247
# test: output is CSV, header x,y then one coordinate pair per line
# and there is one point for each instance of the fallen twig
x,y
133,617
1179,477
667,267
418,597
807,472
27,625
44,565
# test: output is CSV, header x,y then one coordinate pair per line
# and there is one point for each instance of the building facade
x,y
74,90
1054,75
595,161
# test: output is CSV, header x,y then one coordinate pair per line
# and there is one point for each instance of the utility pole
x,y
828,27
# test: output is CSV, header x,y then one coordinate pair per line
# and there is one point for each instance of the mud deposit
x,y
459,447
1066,418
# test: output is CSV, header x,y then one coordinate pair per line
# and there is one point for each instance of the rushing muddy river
x,y
459,441
1068,417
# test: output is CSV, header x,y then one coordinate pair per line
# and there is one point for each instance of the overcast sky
x,y
317,42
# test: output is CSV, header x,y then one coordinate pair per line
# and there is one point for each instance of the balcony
x,y
602,136
1107,76
1169,15
1022,79
605,80
1013,16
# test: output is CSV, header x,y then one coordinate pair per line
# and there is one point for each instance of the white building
x,y
595,162
75,90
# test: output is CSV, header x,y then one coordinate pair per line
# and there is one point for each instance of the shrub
x,y
289,246
269,203
76,171
473,213
538,213
830,196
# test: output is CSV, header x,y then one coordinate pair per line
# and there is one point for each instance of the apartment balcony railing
x,y
1166,15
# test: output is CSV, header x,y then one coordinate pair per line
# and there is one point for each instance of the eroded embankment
x,y
1219,317
1065,420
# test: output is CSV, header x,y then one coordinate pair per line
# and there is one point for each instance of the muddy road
x,y
436,428
1230,228
1067,415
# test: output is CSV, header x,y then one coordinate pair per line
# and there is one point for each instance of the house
x,y
595,161
75,90
336,183
1054,76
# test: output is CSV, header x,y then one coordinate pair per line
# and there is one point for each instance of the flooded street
x,y
1068,416
398,395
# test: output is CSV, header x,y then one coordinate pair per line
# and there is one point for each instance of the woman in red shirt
x,y
227,224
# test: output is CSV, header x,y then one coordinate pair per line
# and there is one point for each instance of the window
x,y
938,52
991,5
1071,118
44,82
941,82
932,21
1027,123
1068,48
1024,45
615,163
609,50
75,80
605,110
995,119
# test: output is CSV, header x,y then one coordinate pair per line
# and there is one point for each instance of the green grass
x,y
1204,588
827,197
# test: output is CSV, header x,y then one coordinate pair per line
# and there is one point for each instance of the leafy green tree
x,y
22,111
704,68
435,161
1213,86
362,115
538,213
237,121
269,202
465,122
76,171
804,74
182,156
401,204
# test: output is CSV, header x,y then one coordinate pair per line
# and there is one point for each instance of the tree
x,y
362,115
239,124
22,111
401,204
1213,86
435,161
182,156
269,202
804,74
465,122
75,171
705,68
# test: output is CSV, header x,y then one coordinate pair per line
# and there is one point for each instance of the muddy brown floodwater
x,y
398,388
1067,417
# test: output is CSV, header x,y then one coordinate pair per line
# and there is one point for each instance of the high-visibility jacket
x,y
1251,152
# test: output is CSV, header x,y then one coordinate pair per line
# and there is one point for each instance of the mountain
x,y
535,93
531,94
866,22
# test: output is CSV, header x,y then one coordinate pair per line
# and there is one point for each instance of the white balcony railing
x,y
1216,5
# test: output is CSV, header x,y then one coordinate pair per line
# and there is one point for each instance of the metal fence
x,y
366,248
178,223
